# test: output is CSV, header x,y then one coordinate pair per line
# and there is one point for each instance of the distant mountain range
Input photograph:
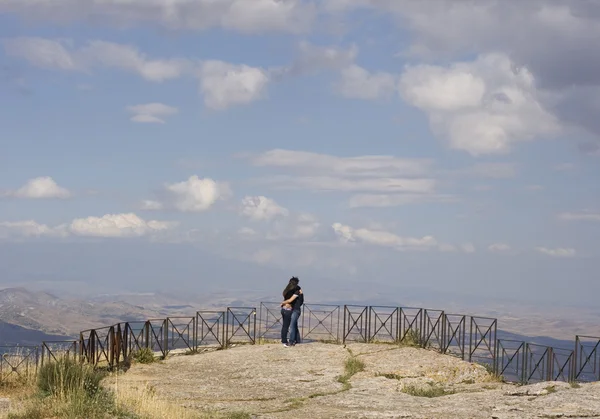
x,y
25,313
11,334
28,316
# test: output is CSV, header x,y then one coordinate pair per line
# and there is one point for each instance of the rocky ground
x,y
270,381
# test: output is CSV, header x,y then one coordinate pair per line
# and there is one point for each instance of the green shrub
x,y
144,356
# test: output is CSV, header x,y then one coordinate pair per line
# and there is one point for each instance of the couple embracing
x,y
290,312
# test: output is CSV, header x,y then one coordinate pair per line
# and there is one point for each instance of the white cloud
x,y
29,228
313,58
558,252
247,232
389,175
382,238
224,85
447,248
497,170
468,248
40,188
580,216
499,247
545,36
262,208
368,165
44,53
294,227
129,58
328,183
150,205
60,55
293,16
356,82
497,105
195,194
396,200
116,225
350,185
151,112
109,225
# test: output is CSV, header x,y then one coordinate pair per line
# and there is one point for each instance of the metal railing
x,y
18,362
470,338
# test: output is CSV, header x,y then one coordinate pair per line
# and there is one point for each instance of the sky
x,y
450,146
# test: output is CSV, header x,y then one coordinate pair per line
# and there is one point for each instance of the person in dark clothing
x,y
290,312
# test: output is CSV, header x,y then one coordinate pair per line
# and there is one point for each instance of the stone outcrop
x,y
269,381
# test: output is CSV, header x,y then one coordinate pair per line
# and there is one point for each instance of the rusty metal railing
x,y
471,338
586,358
321,322
240,326
384,324
18,362
454,326
482,340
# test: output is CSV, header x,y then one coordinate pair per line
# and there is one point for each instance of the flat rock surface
x,y
270,381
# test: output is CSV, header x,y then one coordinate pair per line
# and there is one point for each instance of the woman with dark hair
x,y
290,312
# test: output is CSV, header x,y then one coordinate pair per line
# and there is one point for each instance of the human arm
x,y
291,299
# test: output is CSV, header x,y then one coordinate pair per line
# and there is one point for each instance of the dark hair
x,y
291,285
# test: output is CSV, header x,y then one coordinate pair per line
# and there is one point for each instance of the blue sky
x,y
335,139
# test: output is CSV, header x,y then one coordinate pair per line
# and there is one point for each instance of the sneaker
x,y
285,345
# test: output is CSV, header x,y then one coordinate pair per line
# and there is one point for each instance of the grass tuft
x,y
422,391
143,356
413,339
68,389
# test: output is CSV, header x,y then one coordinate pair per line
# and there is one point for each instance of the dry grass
x,y
67,389
142,401
25,363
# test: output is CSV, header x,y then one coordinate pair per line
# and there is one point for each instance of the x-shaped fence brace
x,y
200,315
353,322
581,354
433,327
503,366
240,325
66,347
454,333
157,336
102,344
182,335
15,360
532,366
135,340
408,325
486,338
380,324
320,321
264,321
562,367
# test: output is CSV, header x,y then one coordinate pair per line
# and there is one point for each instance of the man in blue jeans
x,y
291,309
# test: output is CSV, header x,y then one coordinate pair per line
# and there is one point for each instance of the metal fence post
x,y
165,347
344,326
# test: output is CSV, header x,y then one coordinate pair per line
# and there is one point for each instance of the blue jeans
x,y
295,332
286,316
